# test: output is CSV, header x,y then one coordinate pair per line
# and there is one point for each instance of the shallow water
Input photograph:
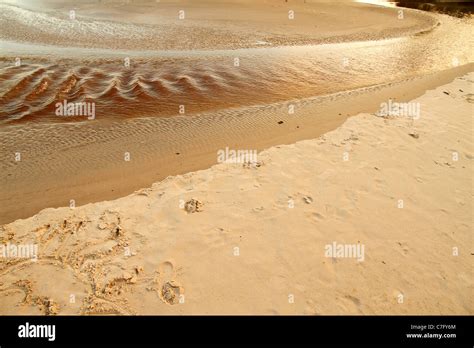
x,y
167,83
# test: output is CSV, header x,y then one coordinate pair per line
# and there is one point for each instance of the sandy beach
x,y
91,165
237,239
130,210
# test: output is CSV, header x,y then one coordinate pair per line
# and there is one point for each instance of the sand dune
x,y
251,239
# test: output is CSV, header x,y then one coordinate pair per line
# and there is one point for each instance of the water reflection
x,y
378,2
160,81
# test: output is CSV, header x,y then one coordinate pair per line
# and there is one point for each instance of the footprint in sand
x,y
469,98
217,238
193,206
404,247
315,216
110,220
170,290
352,303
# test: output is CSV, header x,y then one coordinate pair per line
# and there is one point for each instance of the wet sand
x,y
239,239
331,61
85,162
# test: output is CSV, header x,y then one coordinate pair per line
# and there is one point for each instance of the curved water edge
x,y
160,82
159,30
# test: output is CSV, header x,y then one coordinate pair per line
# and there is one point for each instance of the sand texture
x,y
250,238
183,95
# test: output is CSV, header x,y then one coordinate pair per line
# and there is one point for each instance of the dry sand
x,y
255,243
85,162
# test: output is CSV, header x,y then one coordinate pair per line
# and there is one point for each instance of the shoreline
x,y
90,166
242,247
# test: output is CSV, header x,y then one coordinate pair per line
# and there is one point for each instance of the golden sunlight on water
x,y
157,82
378,2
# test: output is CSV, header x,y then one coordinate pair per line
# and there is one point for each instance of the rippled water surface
x,y
157,82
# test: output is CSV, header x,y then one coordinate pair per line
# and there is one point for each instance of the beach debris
x,y
193,206
280,122
118,231
51,307
414,135
118,285
308,199
252,164
131,279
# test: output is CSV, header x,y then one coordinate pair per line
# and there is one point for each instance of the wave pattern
x,y
156,85
32,91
